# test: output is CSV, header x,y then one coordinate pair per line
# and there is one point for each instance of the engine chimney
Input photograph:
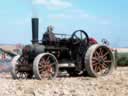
x,y
35,23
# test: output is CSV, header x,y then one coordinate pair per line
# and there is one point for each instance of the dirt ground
x,y
115,84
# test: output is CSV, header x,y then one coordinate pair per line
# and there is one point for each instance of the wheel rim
x,y
47,66
18,74
102,60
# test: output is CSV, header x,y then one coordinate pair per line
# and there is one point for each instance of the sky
x,y
99,18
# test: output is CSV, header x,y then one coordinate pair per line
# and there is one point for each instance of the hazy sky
x,y
99,18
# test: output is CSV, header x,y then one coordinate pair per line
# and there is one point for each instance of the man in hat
x,y
49,35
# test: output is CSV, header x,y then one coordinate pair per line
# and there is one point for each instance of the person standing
x,y
49,35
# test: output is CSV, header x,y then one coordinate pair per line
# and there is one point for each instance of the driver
x,y
49,35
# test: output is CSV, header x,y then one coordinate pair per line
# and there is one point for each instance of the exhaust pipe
x,y
35,23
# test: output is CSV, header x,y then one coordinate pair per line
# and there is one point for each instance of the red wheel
x,y
99,60
45,66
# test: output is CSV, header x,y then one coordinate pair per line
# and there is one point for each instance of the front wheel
x,y
45,66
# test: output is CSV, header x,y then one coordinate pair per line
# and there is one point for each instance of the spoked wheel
x,y
80,36
16,74
99,60
45,66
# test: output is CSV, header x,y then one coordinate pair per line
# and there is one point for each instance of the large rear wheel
x,y
99,60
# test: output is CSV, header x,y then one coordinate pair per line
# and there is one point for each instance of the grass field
x,y
122,57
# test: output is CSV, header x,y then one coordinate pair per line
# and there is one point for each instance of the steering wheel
x,y
80,37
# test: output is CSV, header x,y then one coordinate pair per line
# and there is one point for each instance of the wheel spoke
x,y
77,37
108,61
47,59
95,59
40,64
97,54
104,58
97,69
95,64
48,62
40,67
81,36
100,51
42,61
104,65
106,54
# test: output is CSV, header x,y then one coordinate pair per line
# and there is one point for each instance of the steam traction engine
x,y
76,54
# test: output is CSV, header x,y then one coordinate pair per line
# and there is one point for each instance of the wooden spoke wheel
x,y
45,66
99,60
16,74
